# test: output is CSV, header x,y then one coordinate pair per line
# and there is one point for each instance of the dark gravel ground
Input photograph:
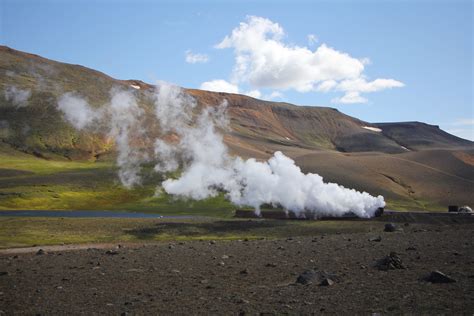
x,y
249,277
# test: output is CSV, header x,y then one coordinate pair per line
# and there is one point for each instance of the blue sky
x,y
421,51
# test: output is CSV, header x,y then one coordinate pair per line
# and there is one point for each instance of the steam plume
x,y
122,116
18,97
209,169
192,140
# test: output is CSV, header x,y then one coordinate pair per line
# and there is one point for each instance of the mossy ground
x,y
24,231
27,182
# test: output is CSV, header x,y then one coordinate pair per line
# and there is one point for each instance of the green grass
x,y
27,182
413,205
29,163
24,232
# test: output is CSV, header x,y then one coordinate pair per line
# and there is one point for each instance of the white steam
x,y
190,138
77,110
122,117
209,169
18,97
125,115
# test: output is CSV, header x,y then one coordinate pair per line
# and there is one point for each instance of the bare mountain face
x,y
414,163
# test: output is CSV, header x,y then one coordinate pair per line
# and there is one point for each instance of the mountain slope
x,y
416,164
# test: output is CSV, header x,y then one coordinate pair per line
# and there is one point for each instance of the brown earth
x,y
251,277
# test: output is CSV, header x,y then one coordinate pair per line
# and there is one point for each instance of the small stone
x,y
390,262
241,301
312,276
40,252
225,257
271,265
326,282
376,239
212,242
245,271
221,263
390,227
111,252
439,277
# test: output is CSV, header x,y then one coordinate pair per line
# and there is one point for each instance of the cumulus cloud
x,y
220,85
254,94
192,58
350,98
274,95
18,97
361,85
263,60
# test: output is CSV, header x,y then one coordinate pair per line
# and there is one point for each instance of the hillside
x,y
413,164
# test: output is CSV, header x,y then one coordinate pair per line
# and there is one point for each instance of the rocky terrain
x,y
404,268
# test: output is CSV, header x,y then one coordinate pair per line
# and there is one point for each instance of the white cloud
x,y
192,58
312,39
263,60
361,85
350,98
366,61
254,94
274,95
326,86
219,85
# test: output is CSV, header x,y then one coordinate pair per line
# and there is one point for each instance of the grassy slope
x,y
27,182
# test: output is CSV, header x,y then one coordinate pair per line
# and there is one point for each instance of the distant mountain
x,y
323,140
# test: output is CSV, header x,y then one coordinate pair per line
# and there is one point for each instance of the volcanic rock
x,y
320,277
377,239
390,262
326,282
439,277
390,227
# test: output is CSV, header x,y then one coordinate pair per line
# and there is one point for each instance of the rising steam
x,y
122,116
209,169
192,140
